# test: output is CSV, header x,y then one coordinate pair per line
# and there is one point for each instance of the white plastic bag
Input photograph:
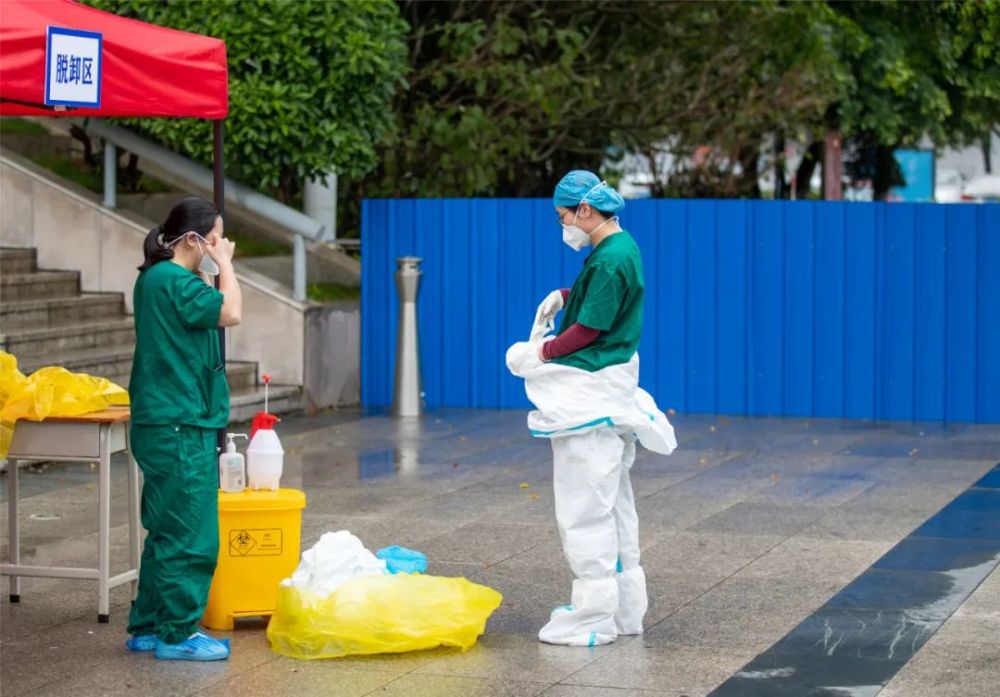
x,y
331,562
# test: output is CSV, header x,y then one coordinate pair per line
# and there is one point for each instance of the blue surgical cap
x,y
580,185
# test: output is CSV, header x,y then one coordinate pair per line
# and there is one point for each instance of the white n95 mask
x,y
575,238
207,264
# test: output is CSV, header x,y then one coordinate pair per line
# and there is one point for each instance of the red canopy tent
x,y
140,69
146,70
137,69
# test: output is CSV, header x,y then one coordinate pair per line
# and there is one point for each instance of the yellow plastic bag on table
x,y
48,392
381,614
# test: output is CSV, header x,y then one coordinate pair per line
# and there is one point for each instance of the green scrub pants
x,y
180,501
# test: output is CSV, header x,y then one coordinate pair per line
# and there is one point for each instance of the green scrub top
x,y
607,295
178,377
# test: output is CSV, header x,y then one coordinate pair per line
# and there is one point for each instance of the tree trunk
x,y
780,183
987,146
885,171
286,185
658,187
88,145
132,173
806,168
749,182
833,167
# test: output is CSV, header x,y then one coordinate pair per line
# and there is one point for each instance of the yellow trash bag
x,y
381,614
51,391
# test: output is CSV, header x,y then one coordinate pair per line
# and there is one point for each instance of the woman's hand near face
x,y
220,249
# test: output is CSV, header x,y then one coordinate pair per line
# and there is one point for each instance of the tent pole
x,y
218,172
219,197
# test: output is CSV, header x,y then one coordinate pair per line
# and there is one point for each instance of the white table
x,y
91,437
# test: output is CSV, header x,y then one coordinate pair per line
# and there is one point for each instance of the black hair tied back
x,y
190,215
153,249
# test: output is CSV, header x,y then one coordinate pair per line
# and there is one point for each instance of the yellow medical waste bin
x,y
259,536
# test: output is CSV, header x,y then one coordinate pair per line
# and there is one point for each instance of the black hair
x,y
603,214
190,215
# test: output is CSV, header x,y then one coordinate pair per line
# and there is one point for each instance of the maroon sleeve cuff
x,y
565,294
570,341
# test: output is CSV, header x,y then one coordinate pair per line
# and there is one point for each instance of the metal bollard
x,y
408,395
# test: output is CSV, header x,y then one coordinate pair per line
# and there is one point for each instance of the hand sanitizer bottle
x,y
232,469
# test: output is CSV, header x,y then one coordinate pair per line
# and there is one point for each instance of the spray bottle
x,y
265,456
232,473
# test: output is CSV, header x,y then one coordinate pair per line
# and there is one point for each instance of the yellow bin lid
x,y
249,500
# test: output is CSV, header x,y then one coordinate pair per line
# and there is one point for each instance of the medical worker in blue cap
x,y
592,410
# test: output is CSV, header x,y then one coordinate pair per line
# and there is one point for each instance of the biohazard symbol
x,y
263,542
240,542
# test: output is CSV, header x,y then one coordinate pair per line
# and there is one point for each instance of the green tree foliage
x,y
310,84
500,97
504,96
972,69
919,68
914,69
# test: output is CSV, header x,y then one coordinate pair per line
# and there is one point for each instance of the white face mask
x,y
207,264
576,238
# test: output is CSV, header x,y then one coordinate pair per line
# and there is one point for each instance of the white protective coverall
x,y
593,421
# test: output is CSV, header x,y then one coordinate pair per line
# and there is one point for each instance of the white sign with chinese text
x,y
73,68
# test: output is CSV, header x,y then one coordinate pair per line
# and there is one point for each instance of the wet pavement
x,y
765,544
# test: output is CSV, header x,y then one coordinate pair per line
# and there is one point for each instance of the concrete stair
x,y
29,343
46,320
17,260
41,313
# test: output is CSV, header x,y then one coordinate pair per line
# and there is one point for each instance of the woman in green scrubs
x,y
180,398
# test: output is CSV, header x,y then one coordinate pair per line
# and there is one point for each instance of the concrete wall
x,y
71,230
316,346
272,332
333,353
323,263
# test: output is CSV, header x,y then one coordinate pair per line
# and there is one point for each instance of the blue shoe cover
x,y
141,642
197,647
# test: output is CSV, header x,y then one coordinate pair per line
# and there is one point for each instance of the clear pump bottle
x,y
232,466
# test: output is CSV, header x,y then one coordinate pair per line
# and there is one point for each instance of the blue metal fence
x,y
857,310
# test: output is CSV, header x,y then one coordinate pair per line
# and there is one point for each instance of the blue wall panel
x,y
961,350
670,325
701,317
930,287
829,307
898,314
988,407
767,327
862,340
871,311
799,319
731,308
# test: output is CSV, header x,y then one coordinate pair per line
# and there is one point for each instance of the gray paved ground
x,y
750,526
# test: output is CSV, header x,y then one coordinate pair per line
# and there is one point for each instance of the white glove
x,y
545,315
552,304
